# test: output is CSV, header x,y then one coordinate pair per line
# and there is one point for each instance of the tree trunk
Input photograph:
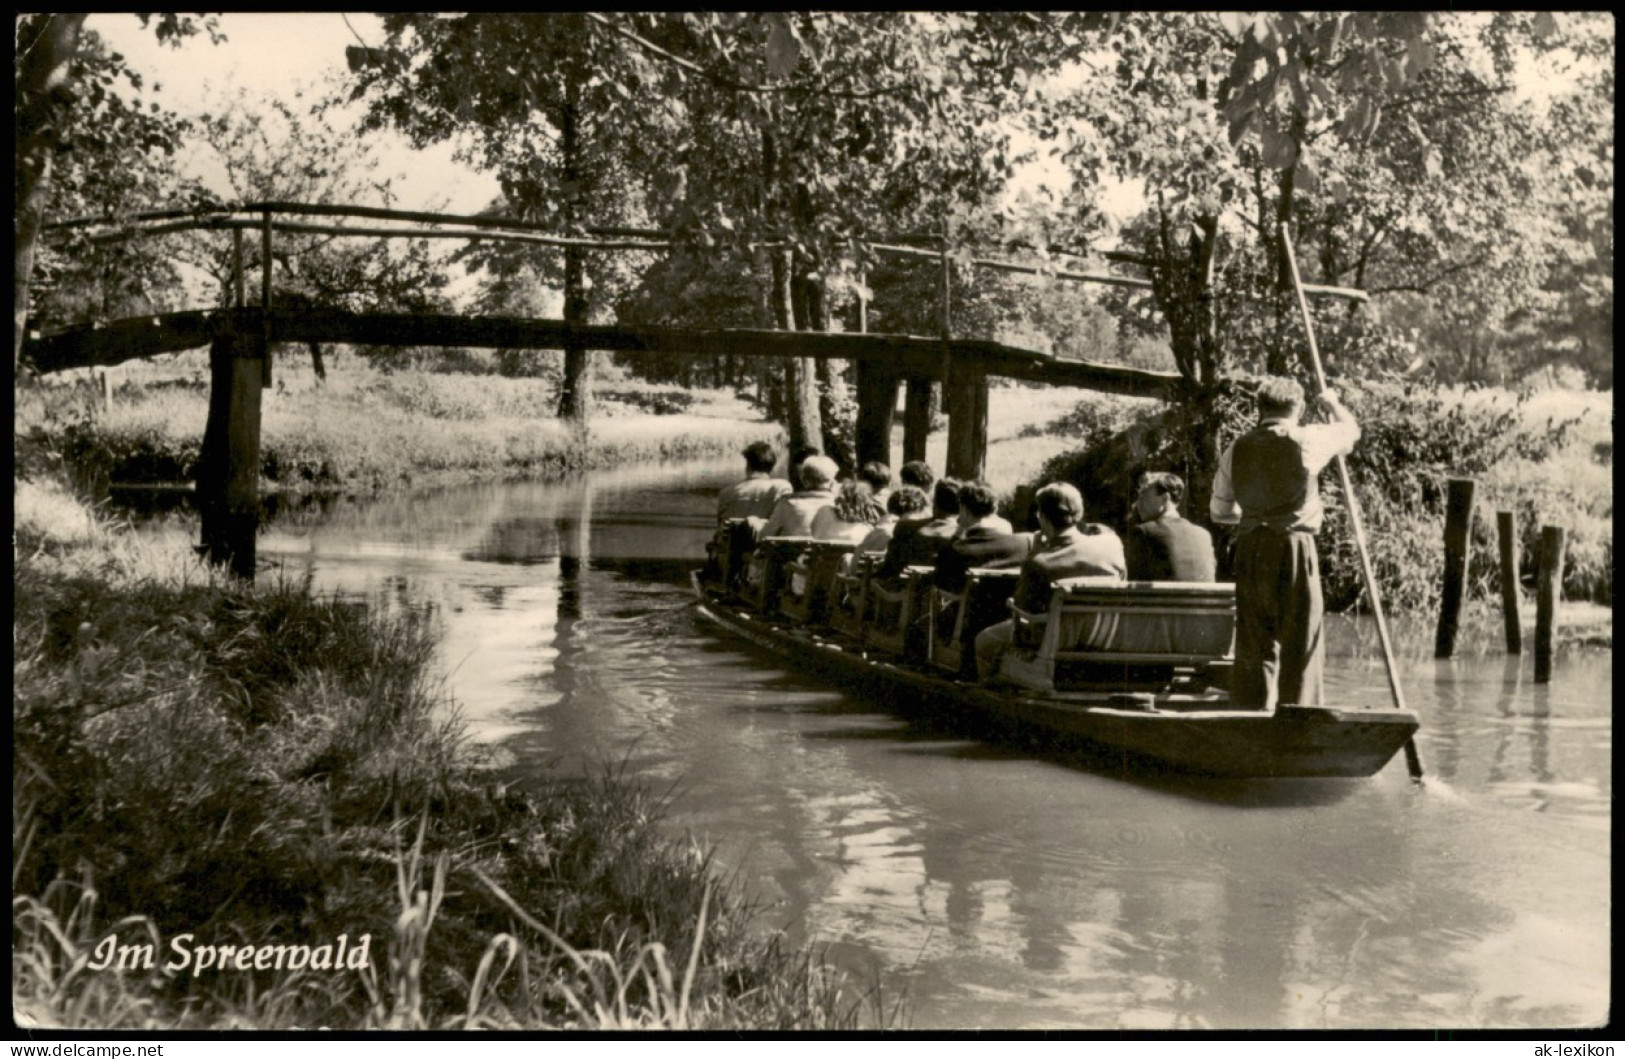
x,y
43,96
1182,282
575,389
800,375
1279,362
834,400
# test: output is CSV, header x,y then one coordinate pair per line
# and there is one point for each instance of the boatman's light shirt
x,y
1270,475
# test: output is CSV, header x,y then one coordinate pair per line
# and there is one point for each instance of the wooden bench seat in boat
x,y
956,617
809,577
896,620
766,569
846,597
1101,626
728,553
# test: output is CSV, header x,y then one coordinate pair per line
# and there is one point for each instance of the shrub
x,y
1414,439
652,400
1121,441
1533,456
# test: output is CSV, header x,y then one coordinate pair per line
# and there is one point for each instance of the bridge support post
x,y
877,405
916,418
229,466
966,402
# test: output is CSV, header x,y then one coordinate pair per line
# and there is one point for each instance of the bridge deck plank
x,y
910,355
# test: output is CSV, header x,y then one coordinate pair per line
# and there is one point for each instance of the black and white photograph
x,y
863,523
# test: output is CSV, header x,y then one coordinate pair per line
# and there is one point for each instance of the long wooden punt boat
x,y
1137,669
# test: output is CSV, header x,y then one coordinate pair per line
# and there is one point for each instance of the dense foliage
x,y
1409,154
1547,469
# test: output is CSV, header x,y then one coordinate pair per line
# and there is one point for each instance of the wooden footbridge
x,y
241,338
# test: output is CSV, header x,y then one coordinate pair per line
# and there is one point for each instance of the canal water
x,y
989,885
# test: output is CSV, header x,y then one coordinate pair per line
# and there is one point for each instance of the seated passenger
x,y
793,516
798,456
906,502
918,473
877,476
1063,549
984,539
915,541
1162,545
852,515
759,492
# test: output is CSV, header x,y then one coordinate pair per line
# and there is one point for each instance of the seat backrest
x,y
981,604
737,541
893,617
810,575
1176,621
768,570
847,601
983,601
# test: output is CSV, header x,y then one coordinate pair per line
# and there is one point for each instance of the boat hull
x,y
1188,734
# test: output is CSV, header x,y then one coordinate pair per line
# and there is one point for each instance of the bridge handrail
x,y
318,209
221,217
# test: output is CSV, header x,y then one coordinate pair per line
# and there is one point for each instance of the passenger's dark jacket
x,y
914,543
1087,551
1169,549
978,546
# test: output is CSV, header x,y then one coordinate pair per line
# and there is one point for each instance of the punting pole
x,y
1413,758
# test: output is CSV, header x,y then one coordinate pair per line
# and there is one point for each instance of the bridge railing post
x,y
240,295
265,299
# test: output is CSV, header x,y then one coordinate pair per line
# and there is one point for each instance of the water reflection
x,y
1005,888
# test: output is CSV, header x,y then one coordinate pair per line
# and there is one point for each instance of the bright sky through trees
x,y
276,55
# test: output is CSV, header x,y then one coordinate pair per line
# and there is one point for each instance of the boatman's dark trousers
x,y
1280,647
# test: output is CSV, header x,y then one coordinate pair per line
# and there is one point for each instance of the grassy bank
x,y
258,767
364,431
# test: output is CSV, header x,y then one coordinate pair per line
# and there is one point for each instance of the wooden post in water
x,y
916,418
1458,525
1546,600
229,466
1506,530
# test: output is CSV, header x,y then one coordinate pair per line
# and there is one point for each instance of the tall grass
x,y
261,766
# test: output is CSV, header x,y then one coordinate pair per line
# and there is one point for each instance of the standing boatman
x,y
1268,486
